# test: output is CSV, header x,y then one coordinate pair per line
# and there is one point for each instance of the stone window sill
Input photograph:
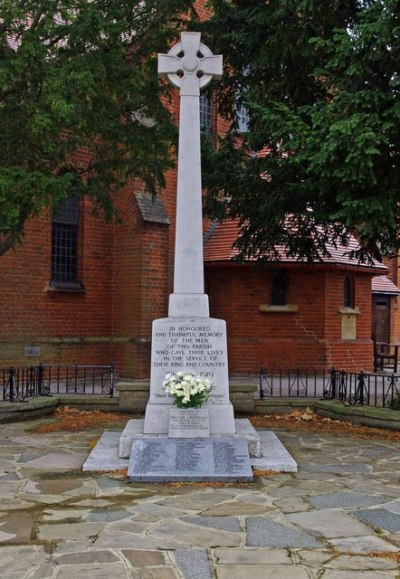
x,y
286,309
57,287
349,311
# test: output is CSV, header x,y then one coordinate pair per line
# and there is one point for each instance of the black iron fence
x,y
360,388
20,384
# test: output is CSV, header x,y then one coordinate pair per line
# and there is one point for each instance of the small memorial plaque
x,y
185,459
349,324
189,423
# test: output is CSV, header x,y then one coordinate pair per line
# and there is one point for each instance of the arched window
x,y
348,292
279,288
64,243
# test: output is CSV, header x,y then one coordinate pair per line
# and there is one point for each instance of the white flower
x,y
184,386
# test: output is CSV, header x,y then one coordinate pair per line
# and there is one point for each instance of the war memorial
x,y
195,438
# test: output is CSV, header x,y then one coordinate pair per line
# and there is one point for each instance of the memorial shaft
x,y
190,66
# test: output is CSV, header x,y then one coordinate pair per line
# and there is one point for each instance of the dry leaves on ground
x,y
308,421
74,420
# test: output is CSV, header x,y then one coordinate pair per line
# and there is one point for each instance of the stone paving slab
x,y
329,523
380,519
330,520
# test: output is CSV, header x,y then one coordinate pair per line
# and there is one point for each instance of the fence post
x,y
333,384
40,373
11,373
111,394
261,388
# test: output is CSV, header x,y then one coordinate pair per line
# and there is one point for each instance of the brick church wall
x,y
307,338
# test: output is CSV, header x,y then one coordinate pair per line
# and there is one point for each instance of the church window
x,y
279,288
64,243
348,292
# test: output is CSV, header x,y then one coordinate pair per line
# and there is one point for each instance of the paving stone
x,y
198,500
236,509
86,557
106,515
367,544
57,461
258,499
262,532
45,499
16,527
291,505
107,483
160,573
93,503
343,574
28,457
338,468
69,531
380,519
261,572
194,535
346,499
392,507
224,523
92,571
128,526
158,510
45,571
9,477
20,559
116,540
64,514
358,563
56,486
329,523
315,558
193,563
72,547
140,558
252,556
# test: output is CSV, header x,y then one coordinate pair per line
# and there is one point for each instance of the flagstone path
x,y
337,518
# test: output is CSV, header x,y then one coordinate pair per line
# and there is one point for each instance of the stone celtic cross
x,y
190,66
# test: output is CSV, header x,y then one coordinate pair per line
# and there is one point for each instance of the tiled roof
x,y
381,284
219,248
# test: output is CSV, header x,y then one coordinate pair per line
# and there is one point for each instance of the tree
x,y
80,75
321,81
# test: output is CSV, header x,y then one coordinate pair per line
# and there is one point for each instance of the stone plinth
x,y
189,344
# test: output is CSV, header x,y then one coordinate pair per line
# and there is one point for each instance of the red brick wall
x,y
58,322
308,338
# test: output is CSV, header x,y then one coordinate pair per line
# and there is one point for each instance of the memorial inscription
x,y
187,345
182,459
189,423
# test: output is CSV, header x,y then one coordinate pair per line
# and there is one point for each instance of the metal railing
x,y
361,388
20,384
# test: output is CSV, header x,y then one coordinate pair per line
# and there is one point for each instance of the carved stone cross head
x,y
190,65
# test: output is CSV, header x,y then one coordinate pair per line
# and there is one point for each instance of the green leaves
x,y
73,75
322,89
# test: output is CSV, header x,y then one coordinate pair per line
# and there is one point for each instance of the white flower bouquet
x,y
189,390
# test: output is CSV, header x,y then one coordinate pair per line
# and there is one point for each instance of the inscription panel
x,y
349,326
189,345
180,459
189,423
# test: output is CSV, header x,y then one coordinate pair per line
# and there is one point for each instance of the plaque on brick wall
x,y
349,326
